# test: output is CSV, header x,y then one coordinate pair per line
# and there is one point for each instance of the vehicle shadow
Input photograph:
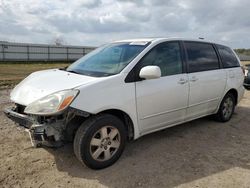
x,y
177,155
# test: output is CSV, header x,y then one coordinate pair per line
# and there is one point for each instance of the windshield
x,y
107,60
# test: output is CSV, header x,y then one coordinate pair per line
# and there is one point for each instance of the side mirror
x,y
150,72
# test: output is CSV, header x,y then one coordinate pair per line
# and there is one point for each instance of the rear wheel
x,y
226,109
100,140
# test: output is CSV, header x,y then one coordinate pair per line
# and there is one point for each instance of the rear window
x,y
227,57
201,57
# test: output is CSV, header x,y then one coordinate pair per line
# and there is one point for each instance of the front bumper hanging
x,y
21,119
50,134
46,130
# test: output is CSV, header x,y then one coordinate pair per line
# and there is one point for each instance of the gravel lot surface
x,y
201,153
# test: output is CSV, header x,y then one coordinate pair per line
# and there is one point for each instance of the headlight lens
x,y
52,104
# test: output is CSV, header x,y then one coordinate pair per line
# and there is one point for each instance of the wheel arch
x,y
125,118
234,92
74,123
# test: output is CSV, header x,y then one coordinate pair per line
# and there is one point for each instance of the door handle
x,y
193,79
182,81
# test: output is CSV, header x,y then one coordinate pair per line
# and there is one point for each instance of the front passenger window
x,y
167,56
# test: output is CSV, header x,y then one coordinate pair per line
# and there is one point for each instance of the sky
x,y
96,22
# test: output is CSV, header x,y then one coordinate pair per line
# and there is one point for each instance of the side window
x,y
201,57
165,55
227,57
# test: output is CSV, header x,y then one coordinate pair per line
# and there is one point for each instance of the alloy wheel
x,y
228,106
105,143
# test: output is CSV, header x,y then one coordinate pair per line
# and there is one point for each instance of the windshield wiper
x,y
73,71
89,73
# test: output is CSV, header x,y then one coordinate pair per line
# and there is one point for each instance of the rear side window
x,y
227,57
201,57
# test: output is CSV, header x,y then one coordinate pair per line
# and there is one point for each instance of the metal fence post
x,y
3,51
67,51
28,53
48,53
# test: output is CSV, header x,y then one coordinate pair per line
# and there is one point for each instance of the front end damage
x,y
49,131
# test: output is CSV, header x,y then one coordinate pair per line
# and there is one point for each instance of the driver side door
x,y
162,102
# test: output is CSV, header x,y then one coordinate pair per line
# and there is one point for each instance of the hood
x,y
43,83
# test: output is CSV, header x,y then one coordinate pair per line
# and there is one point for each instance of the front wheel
x,y
99,141
226,109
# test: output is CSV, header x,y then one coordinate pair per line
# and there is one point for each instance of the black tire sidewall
x,y
92,126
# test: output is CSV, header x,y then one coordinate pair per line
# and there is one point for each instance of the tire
x,y
100,141
226,109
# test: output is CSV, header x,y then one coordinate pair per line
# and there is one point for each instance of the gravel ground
x,y
201,153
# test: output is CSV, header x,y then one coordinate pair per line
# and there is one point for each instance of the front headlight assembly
x,y
52,104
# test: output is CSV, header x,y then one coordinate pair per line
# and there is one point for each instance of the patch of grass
x,y
245,62
11,74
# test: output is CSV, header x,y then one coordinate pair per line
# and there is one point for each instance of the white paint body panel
x,y
206,90
161,102
111,93
42,83
235,79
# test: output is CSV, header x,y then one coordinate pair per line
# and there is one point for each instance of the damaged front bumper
x,y
48,134
44,130
21,119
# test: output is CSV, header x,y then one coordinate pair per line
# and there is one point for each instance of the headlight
x,y
52,104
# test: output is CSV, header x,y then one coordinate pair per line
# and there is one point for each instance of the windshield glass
x,y
107,60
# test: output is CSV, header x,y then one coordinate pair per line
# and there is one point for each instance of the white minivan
x,y
124,90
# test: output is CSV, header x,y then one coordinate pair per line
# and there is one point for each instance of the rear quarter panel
x,y
235,79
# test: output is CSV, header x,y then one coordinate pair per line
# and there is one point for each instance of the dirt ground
x,y
201,153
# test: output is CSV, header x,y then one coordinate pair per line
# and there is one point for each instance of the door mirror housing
x,y
150,72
